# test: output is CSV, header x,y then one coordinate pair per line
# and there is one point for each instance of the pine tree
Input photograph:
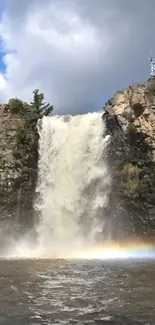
x,y
38,107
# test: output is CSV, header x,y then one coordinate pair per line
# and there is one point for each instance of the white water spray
x,y
74,182
73,190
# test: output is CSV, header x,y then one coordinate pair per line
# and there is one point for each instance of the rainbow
x,y
120,250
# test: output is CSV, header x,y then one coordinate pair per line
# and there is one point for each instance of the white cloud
x,y
3,82
77,52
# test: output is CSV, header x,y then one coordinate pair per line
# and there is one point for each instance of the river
x,y
44,291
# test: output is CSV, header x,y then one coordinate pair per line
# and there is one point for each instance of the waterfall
x,y
73,181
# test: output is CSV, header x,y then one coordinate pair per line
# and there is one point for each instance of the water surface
x,y
77,292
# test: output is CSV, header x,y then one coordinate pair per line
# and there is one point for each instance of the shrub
x,y
17,154
131,128
16,106
150,90
21,136
138,109
132,185
33,110
131,173
131,170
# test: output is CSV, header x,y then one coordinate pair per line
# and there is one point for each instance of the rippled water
x,y
77,292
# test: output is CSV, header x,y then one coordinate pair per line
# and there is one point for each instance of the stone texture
x,y
17,171
130,121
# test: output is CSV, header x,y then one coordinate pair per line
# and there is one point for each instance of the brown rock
x,y
133,135
138,97
146,112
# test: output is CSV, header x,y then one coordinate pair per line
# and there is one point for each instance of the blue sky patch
x,y
2,65
2,53
2,6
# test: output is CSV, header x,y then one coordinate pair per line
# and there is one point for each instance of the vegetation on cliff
x,y
150,90
19,154
25,149
33,110
130,120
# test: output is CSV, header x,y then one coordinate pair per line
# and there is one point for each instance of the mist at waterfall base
x,y
73,189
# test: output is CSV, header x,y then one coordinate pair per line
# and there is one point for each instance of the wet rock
x,y
144,171
16,171
132,135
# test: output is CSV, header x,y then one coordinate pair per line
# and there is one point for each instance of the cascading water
x,y
73,182
73,192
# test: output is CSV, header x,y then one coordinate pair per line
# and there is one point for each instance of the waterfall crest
x,y
73,181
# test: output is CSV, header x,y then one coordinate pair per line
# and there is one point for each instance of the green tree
x,y
38,106
16,106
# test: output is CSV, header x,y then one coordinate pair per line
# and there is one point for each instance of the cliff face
x,y
130,121
18,168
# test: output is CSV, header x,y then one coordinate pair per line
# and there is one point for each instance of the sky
x,y
78,52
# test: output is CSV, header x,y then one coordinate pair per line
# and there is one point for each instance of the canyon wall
x,y
18,168
130,120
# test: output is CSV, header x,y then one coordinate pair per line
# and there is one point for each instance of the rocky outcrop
x,y
130,121
18,168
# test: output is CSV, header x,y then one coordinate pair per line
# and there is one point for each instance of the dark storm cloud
x,y
78,52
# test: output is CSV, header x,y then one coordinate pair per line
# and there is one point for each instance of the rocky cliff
x,y
18,168
130,121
